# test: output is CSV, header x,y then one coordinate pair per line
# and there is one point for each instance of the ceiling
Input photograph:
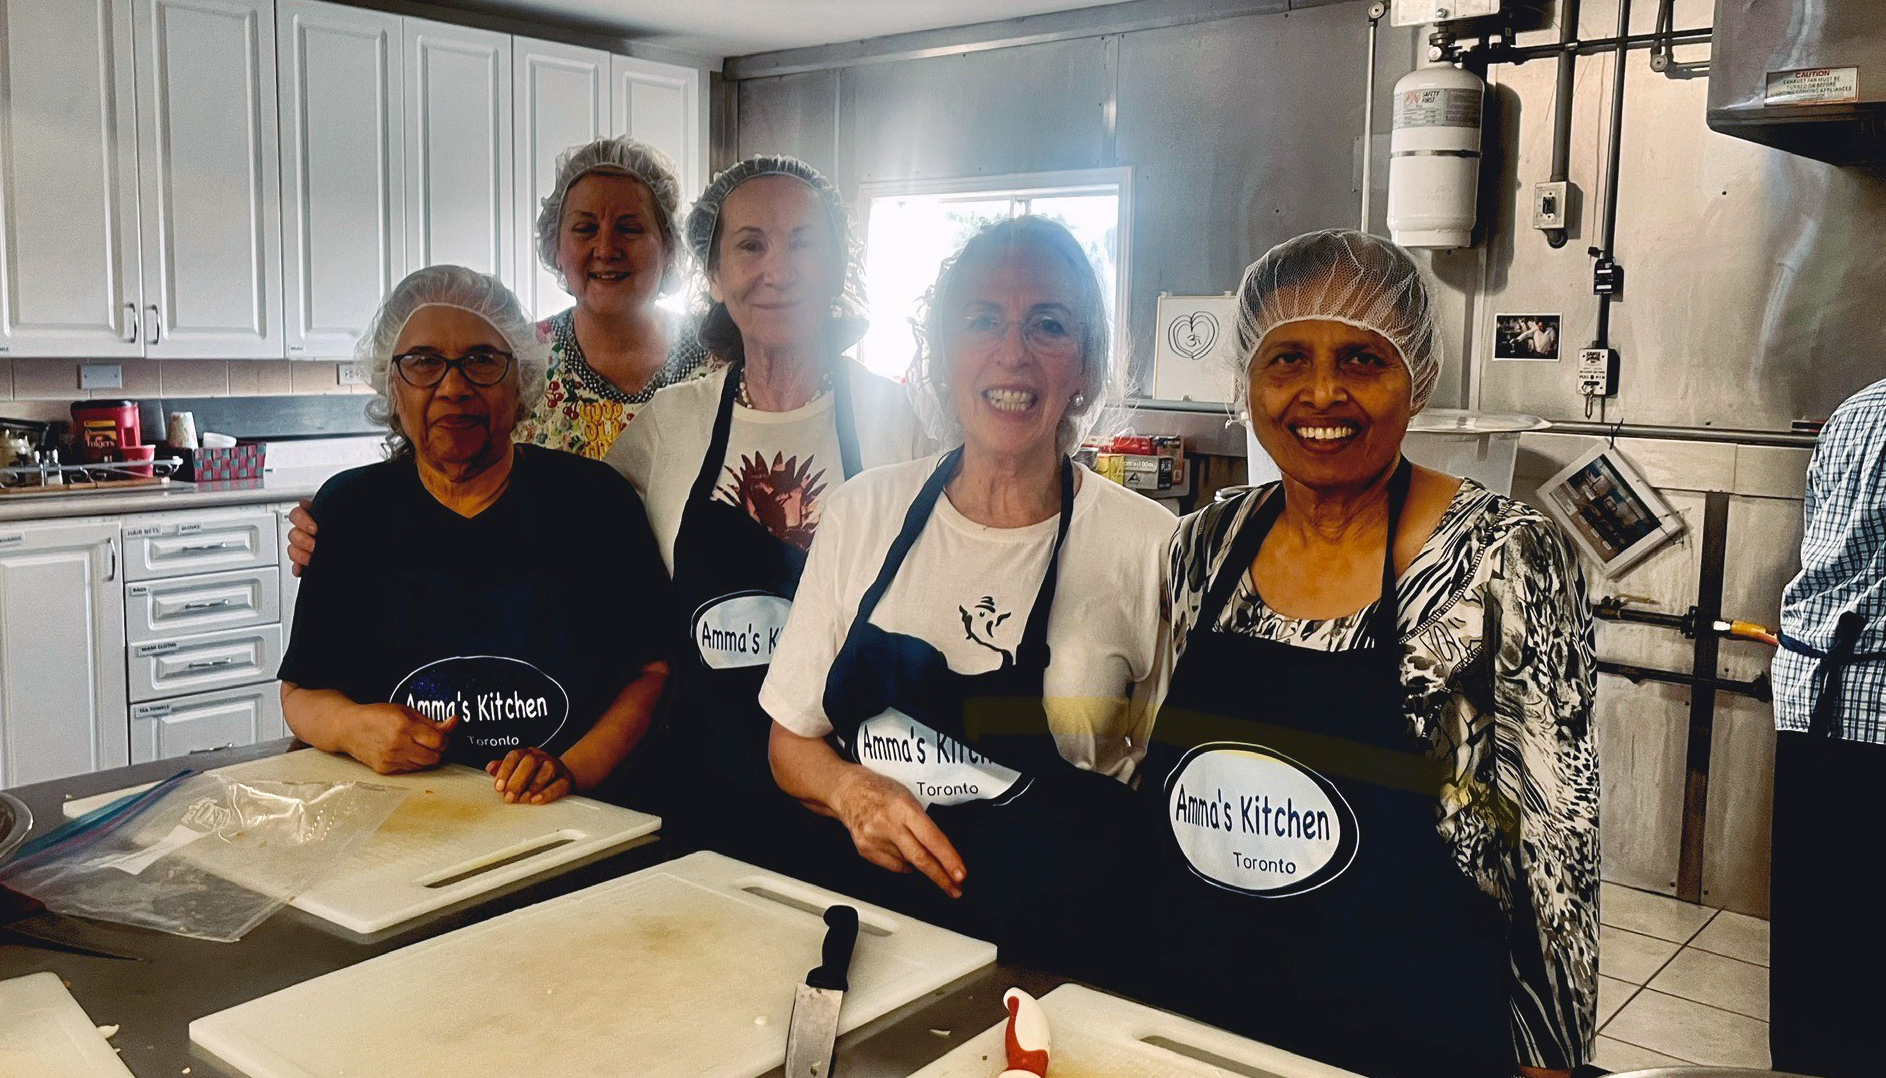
x,y
740,27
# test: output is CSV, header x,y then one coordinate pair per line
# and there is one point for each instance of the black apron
x,y
734,582
1305,898
1033,830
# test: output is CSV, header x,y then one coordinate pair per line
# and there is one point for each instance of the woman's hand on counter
x,y
531,776
392,739
891,830
300,537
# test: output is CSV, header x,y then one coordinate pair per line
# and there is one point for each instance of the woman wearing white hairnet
x,y
609,233
968,669
431,623
736,467
1373,773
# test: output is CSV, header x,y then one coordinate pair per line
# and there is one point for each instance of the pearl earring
x,y
1077,401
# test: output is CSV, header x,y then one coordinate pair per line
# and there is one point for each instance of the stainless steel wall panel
x,y
1239,135
1741,799
1035,108
1641,736
792,114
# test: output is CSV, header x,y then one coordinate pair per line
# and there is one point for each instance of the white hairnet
x,y
1342,276
930,372
703,228
447,286
621,156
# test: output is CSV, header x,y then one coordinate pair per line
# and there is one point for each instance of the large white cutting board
x,y
683,969
1094,1035
453,838
44,1033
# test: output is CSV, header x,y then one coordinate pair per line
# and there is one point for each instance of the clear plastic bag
x,y
211,858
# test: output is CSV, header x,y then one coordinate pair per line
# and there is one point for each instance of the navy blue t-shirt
x,y
554,590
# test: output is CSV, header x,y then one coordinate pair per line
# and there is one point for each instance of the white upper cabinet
x,y
208,156
459,179
343,155
664,106
69,282
562,100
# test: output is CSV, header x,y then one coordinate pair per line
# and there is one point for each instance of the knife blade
x,y
814,1028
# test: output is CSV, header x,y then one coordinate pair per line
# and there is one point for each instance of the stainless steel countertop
x,y
153,1001
284,485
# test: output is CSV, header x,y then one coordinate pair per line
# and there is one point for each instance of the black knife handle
x,y
841,935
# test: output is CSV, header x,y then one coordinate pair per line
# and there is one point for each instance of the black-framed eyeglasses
x,y
1047,332
485,367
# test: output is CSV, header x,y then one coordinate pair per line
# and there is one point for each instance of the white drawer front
x,y
179,606
212,720
210,661
161,546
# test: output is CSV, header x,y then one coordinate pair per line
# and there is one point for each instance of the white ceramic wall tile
x,y
244,379
1736,935
1631,956
275,376
1613,994
1741,987
1615,1055
1692,1031
317,377
46,379
142,378
1652,915
195,378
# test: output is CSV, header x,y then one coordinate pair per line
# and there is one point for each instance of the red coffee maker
x,y
102,428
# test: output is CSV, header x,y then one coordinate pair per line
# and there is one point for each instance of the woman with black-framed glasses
x,y
454,610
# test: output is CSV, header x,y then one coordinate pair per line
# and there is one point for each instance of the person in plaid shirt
x,y
1826,993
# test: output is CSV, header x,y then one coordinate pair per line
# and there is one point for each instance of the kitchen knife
x,y
814,1025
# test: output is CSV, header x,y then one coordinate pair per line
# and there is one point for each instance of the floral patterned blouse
x,y
583,412
1498,674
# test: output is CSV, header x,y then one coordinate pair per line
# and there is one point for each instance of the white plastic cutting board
x,y
453,838
44,1033
1094,1035
683,969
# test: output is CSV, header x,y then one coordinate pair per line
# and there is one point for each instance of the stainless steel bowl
x,y
15,821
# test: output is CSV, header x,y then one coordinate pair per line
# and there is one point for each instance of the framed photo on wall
x,y
1611,512
1530,337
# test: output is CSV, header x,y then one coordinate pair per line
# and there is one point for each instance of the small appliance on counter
x,y
101,428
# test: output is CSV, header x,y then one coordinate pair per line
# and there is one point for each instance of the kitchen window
x,y
910,227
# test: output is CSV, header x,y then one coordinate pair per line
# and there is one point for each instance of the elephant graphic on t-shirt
x,y
980,624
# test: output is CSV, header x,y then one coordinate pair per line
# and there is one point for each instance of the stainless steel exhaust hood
x,y
1805,76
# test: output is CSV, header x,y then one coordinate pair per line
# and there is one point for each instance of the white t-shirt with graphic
x,y
780,465
967,590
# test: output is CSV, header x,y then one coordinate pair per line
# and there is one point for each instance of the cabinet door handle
x,y
205,548
131,320
111,553
156,326
208,604
211,664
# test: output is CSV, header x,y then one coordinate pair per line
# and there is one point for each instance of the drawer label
x,y
190,529
144,531
11,540
157,649
151,711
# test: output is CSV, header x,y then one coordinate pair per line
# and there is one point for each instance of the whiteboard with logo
x,y
1193,353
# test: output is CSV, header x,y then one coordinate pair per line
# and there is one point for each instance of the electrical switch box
x,y
1552,205
1598,372
1423,12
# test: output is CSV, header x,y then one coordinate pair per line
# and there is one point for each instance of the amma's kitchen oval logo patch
x,y
501,703
1250,819
739,630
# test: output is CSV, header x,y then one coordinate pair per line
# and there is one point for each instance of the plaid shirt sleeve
x,y
1843,567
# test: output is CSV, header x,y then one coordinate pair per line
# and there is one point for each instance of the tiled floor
x,y
1679,984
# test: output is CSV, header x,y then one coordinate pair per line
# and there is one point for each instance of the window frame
x,y
1084,181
